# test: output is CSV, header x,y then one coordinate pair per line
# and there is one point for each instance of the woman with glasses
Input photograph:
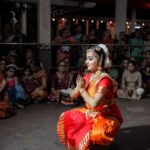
x,y
61,82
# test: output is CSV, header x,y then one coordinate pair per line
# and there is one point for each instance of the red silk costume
x,y
80,127
4,104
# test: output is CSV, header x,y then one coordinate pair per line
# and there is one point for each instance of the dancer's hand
x,y
80,82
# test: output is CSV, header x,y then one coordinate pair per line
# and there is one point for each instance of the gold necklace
x,y
94,76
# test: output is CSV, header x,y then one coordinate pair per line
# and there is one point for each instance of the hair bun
x,y
107,61
105,49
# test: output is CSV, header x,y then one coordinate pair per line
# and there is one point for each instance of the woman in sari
x,y
61,81
4,103
95,125
40,78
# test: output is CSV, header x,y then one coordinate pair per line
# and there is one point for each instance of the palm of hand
x,y
80,82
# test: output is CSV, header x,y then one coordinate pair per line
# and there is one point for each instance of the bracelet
x,y
82,90
75,91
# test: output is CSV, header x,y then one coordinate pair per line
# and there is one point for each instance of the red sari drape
x,y
80,127
4,104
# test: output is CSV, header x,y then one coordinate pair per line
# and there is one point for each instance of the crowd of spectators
x,y
23,79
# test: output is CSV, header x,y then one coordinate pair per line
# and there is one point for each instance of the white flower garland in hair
x,y
107,61
105,49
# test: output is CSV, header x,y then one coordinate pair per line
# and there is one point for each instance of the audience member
x,y
3,64
131,83
15,91
112,71
137,46
28,81
61,81
39,94
5,108
19,37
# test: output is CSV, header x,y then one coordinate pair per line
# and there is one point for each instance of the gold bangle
x,y
82,90
75,91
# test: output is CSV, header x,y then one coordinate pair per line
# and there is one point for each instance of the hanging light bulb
x,y
110,22
92,21
63,19
102,21
83,20
53,19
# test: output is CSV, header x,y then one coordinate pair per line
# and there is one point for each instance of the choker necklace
x,y
94,76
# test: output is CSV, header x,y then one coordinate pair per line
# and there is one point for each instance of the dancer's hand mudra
x,y
80,83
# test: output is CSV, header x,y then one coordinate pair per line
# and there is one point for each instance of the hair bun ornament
x,y
105,49
107,61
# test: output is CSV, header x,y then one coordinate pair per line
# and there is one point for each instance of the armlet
x,y
102,90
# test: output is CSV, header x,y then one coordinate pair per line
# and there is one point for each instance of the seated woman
x,y
131,83
5,108
40,78
61,84
95,125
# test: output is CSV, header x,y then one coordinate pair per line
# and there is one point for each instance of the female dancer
x,y
95,125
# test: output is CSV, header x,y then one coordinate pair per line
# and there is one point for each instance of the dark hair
x,y
3,58
62,31
36,62
132,62
100,52
27,68
61,61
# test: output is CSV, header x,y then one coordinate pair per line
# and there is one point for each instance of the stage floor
x,y
34,128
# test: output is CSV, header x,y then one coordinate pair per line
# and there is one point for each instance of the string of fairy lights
x,y
137,24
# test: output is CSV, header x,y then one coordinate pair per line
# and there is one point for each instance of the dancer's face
x,y
92,61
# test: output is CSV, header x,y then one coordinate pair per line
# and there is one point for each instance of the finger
x,y
78,78
77,81
79,75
